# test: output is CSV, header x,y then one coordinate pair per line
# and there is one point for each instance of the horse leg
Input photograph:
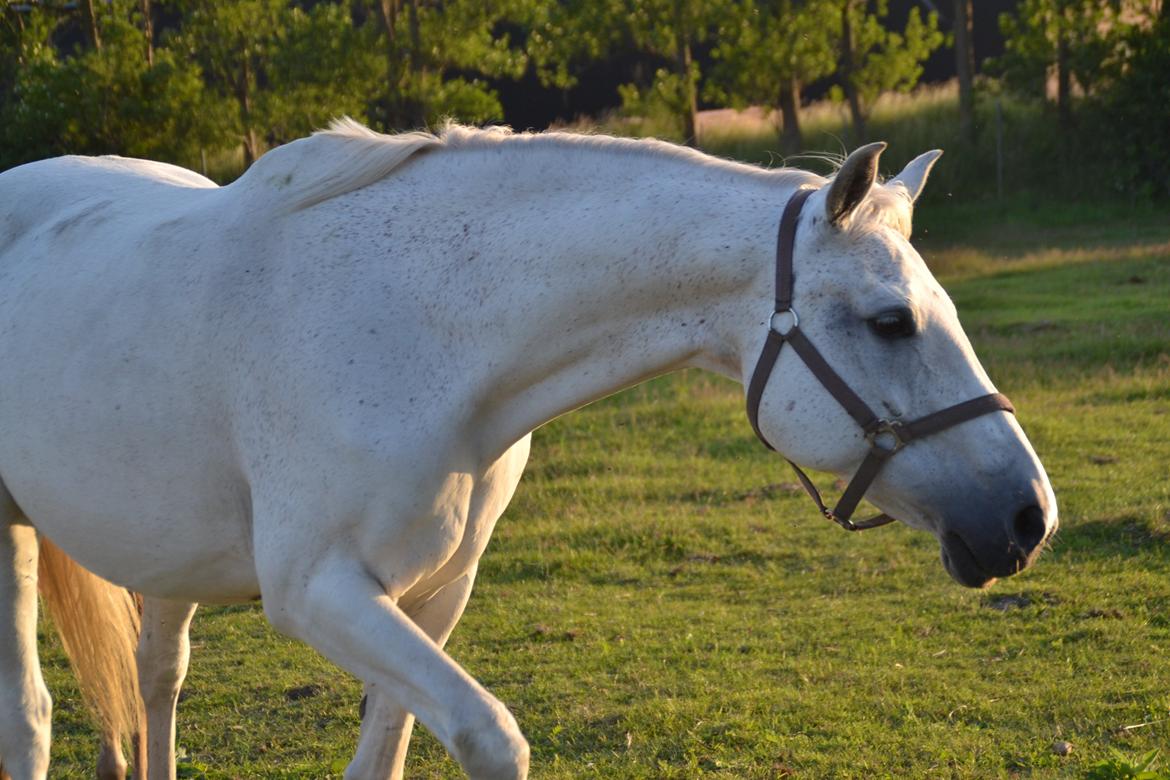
x,y
25,705
163,652
111,764
333,603
386,726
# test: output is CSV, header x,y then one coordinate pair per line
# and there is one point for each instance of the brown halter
x,y
886,436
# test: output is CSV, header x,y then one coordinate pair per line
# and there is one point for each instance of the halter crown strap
x,y
886,436
784,248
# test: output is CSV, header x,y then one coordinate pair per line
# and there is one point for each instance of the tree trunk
x,y
847,71
1063,83
388,10
790,137
965,68
689,97
244,93
415,35
418,65
91,24
148,31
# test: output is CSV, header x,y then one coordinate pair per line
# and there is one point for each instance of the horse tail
x,y
98,623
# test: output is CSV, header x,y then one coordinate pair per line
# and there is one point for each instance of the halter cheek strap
x,y
885,436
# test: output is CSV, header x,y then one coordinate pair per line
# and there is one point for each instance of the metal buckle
x,y
787,323
848,525
883,432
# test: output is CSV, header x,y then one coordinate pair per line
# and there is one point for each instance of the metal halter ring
x,y
887,428
791,326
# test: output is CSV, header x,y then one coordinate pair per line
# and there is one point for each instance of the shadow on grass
x,y
1124,536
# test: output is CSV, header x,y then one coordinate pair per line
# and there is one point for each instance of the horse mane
x,y
347,156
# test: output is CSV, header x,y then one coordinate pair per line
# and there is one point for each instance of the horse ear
x,y
913,176
853,181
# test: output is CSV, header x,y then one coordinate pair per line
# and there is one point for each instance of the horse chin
x,y
960,562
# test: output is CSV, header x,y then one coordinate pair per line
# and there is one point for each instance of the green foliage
x,y
275,72
666,96
564,35
103,101
1112,58
1119,767
253,72
884,59
1136,111
322,66
670,30
428,49
1087,31
256,73
764,43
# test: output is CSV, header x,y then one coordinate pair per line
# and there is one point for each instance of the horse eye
x,y
894,324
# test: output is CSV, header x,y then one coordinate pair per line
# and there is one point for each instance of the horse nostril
x,y
1028,528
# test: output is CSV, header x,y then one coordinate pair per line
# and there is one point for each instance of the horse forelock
x,y
884,206
888,204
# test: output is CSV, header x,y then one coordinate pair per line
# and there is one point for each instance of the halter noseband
x,y
886,436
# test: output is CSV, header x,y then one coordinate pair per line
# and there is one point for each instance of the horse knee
x,y
492,749
161,672
29,711
160,676
25,727
158,686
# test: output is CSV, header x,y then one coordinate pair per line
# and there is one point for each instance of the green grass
x,y
660,601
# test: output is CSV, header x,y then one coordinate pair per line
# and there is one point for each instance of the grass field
x,y
660,601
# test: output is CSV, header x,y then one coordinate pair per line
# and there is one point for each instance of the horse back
x,y
64,194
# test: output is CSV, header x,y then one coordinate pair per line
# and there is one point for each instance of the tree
x,y
1133,108
965,67
26,54
767,51
669,30
873,60
565,35
321,66
277,71
1076,40
104,98
437,54
233,44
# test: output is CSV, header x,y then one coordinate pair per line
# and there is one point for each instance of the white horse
x,y
317,385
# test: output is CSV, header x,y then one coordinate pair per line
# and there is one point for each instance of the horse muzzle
x,y
978,549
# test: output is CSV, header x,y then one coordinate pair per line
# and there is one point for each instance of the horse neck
x,y
629,267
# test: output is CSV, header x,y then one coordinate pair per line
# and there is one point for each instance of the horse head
x,y
880,381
